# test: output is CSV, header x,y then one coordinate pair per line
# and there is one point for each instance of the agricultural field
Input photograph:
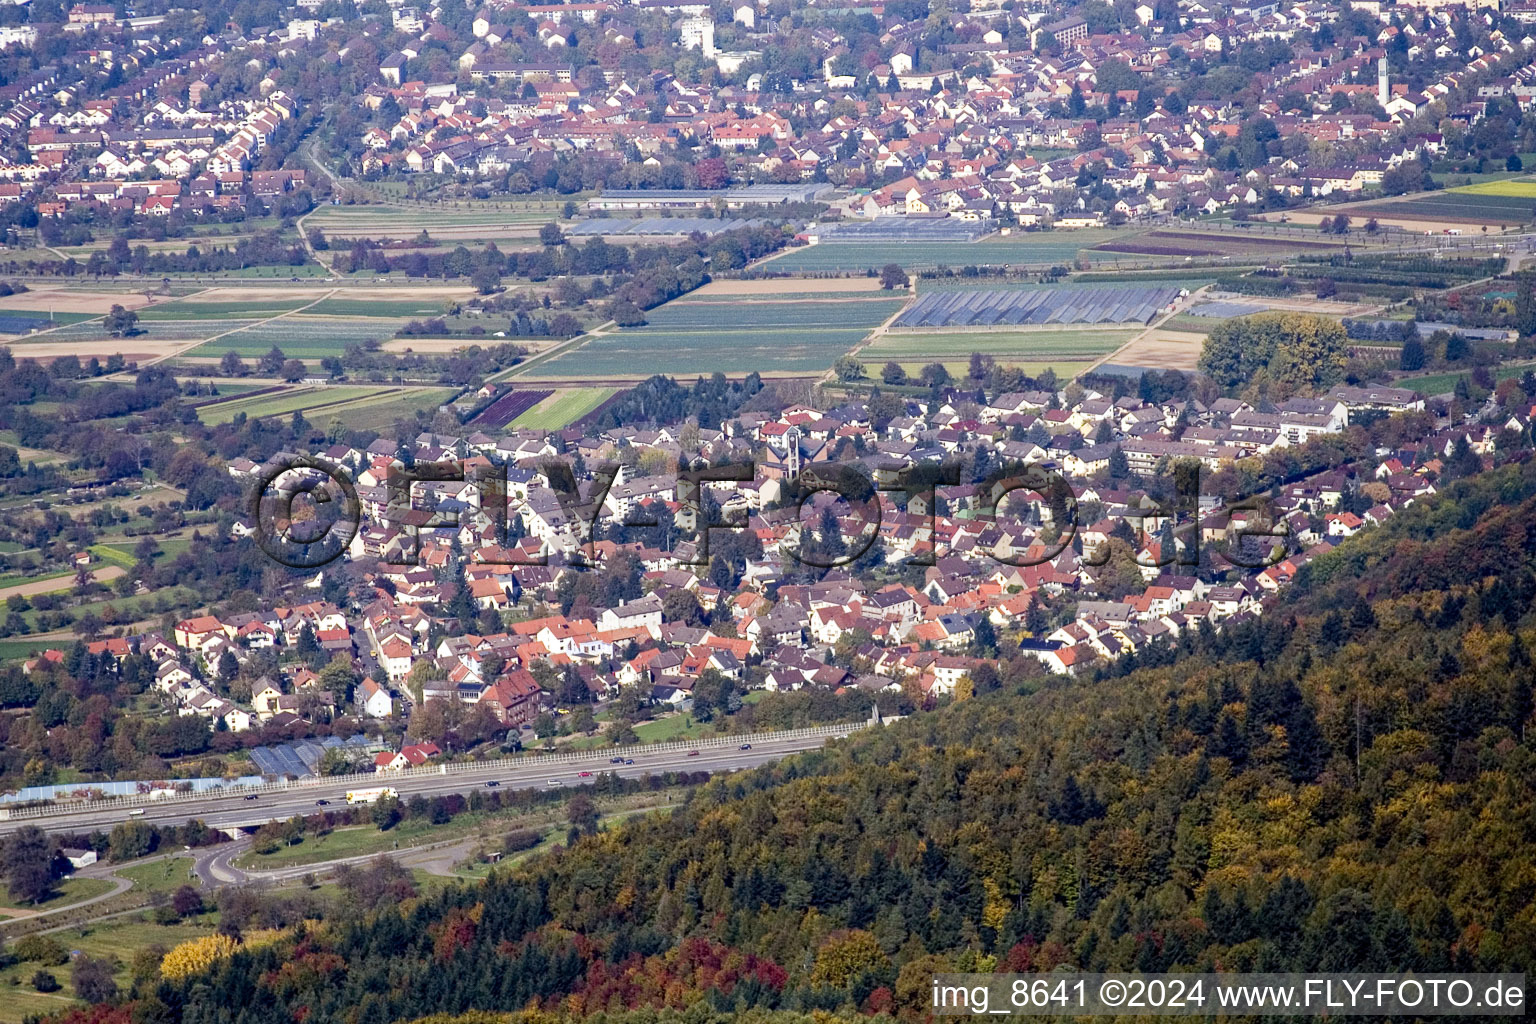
x,y
42,300
509,407
152,330
1186,280
192,309
1005,346
380,411
362,406
1253,242
1030,248
301,336
321,402
562,408
408,308
279,401
1162,349
59,319
1523,188
1455,208
471,224
688,338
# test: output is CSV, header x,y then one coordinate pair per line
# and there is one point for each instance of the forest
x,y
1344,784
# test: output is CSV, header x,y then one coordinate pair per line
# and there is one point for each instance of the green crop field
x,y
371,308
685,339
1005,346
563,408
1030,248
1523,188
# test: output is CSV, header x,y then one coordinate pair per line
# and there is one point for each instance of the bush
x,y
45,982
520,839
42,949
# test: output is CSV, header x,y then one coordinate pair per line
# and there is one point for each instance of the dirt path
x,y
119,886
105,574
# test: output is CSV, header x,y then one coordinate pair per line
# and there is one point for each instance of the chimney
x,y
1383,91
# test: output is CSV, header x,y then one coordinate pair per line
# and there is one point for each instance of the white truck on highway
x,y
369,796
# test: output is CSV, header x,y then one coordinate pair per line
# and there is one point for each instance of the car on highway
x,y
322,803
615,760
492,784
746,746
629,760
693,753
253,796
586,775
554,782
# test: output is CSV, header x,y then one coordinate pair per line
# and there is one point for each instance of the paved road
x,y
215,866
237,811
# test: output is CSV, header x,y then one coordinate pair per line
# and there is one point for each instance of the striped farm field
x,y
689,338
301,336
564,407
1455,206
185,309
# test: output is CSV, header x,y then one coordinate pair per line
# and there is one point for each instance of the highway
x,y
242,810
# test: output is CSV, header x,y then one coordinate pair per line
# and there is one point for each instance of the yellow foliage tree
x,y
846,955
196,955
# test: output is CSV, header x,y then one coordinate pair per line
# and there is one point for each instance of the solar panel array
x,y
1040,306
662,226
902,229
1225,309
